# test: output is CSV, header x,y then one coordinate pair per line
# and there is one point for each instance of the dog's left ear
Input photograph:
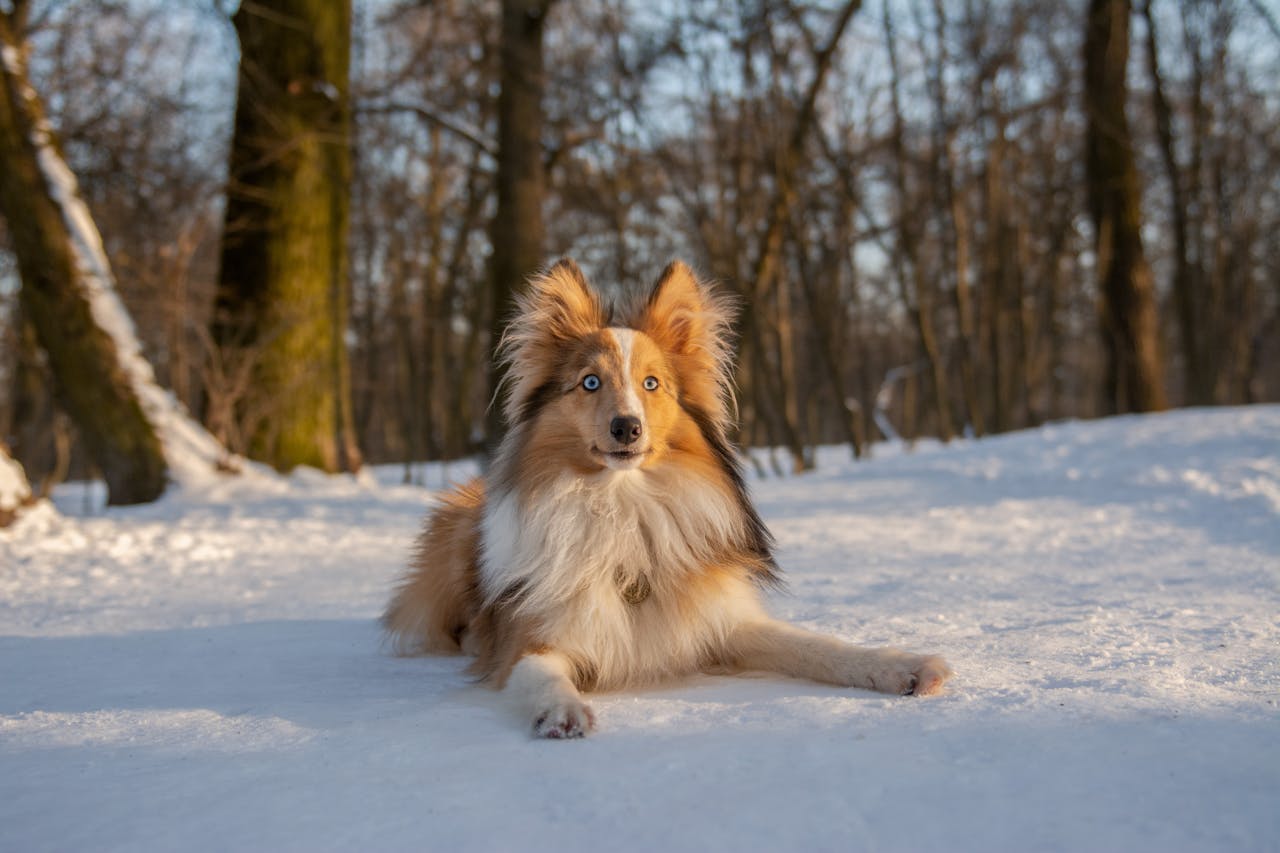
x,y
692,325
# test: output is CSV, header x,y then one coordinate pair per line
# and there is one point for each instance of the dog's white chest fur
x,y
584,530
578,552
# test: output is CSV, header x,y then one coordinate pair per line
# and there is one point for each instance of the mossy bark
x,y
90,382
283,283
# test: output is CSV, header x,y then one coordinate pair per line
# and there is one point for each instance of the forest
x,y
290,230
1006,367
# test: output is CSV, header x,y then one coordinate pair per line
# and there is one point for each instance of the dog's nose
x,y
625,430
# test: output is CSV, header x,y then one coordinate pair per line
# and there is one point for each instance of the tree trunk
x,y
1203,287
283,282
31,431
959,220
952,213
68,296
1130,331
516,233
432,404
824,315
458,422
1198,388
403,365
999,259
766,267
911,275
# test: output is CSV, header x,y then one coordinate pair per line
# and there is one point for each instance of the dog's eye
x,y
591,382
651,383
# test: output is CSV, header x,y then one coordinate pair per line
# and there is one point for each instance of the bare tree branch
x,y
460,129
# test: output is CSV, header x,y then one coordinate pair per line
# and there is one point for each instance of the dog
x,y
612,542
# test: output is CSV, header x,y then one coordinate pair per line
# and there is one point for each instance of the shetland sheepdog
x,y
612,542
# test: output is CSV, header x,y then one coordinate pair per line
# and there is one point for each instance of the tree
x,y
949,203
670,134
1127,308
68,294
516,233
1198,388
282,291
912,279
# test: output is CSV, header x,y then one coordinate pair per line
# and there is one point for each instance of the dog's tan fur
x,y
612,542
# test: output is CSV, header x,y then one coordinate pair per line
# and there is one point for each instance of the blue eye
x,y
651,383
591,382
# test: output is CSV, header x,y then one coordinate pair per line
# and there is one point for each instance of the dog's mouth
x,y
622,460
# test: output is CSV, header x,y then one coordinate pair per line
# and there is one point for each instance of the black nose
x,y
625,430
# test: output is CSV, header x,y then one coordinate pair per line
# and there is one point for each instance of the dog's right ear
x,y
557,308
559,305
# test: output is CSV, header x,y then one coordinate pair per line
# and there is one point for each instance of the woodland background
x,y
942,218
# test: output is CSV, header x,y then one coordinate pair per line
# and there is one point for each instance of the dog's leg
x,y
542,687
778,647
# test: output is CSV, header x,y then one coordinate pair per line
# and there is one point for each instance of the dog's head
x,y
594,394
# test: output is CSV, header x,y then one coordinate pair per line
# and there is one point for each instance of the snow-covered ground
x,y
205,673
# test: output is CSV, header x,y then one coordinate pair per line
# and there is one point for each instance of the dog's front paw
x,y
567,719
927,676
910,675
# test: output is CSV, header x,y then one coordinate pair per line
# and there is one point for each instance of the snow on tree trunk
x,y
137,432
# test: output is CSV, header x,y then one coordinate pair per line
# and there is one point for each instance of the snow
x,y
206,672
14,488
11,58
192,453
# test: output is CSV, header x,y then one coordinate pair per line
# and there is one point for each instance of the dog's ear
x,y
692,325
557,308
